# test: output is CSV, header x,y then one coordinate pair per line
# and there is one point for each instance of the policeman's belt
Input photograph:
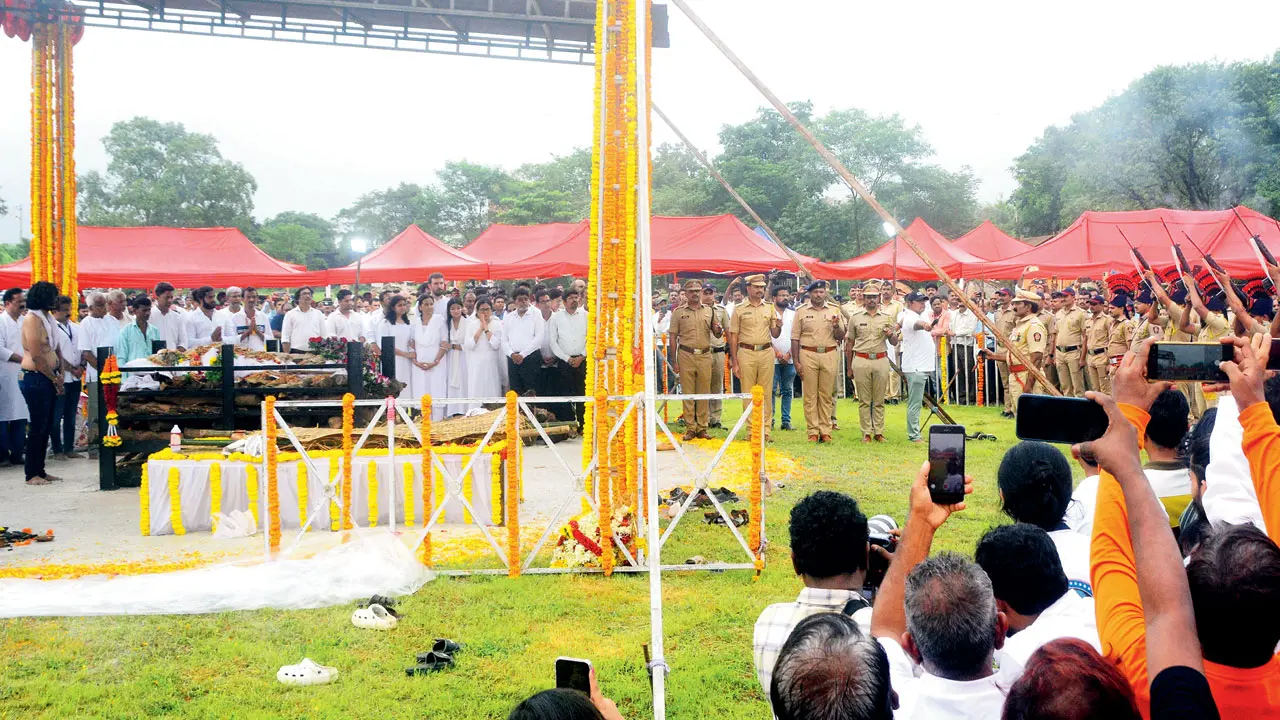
x,y
745,346
718,350
817,349
695,351
1098,351
870,356
1068,348
1017,368
1114,360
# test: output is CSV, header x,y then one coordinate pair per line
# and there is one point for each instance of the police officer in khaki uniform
x,y
1005,320
754,325
1148,318
1050,322
816,332
890,304
1209,303
868,332
1068,351
719,352
1029,336
1121,335
1096,346
693,326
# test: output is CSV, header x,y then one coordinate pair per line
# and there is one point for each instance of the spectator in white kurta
x,y
97,330
344,322
522,334
234,304
203,325
301,324
567,332
13,408
250,327
167,318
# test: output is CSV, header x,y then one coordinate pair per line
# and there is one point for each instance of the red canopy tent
x,y
140,257
718,244
879,263
990,242
1093,244
411,255
529,251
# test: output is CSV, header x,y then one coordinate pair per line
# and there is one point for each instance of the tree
x,y
1200,137
469,199
4,209
161,174
302,238
381,215
682,187
555,191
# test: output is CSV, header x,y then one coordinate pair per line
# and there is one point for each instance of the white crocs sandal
x,y
374,617
307,672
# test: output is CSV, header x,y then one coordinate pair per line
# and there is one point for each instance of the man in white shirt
x,y
344,323
917,359
830,668
97,330
939,616
963,328
203,325
249,327
661,326
66,341
568,335
302,323
522,344
225,315
1166,469
1031,590
436,285
118,308
167,318
551,376
784,369
13,407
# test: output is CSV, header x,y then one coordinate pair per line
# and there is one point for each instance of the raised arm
x,y
1261,433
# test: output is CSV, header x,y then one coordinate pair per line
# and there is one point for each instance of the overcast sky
x,y
319,126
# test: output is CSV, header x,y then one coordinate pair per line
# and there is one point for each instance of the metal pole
x,y
644,266
857,187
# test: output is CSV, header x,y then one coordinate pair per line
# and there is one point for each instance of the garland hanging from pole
x,y
54,29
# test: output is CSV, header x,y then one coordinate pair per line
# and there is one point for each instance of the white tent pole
x,y
644,267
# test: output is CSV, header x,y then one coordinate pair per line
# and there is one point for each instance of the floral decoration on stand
x,y
110,379
375,383
579,543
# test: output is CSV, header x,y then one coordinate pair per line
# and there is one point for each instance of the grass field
x,y
223,666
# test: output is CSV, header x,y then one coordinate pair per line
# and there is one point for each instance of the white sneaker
x,y
307,672
374,617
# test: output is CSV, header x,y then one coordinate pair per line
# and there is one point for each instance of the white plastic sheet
x,y
373,562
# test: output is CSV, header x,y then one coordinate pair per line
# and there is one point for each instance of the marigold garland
x,y
495,494
757,476
408,495
144,503
272,462
110,379
980,367
303,500
605,499
175,502
251,490
513,485
942,369
348,425
371,487
215,495
53,180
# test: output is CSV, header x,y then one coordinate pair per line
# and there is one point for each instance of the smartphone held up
x,y
946,464
1066,420
573,674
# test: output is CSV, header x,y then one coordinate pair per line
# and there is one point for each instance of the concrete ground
x,y
93,527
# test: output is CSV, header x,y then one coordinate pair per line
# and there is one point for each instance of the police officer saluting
x,y
816,333
751,331
868,331
693,325
1030,336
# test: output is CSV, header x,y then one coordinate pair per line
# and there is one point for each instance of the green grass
x,y
223,666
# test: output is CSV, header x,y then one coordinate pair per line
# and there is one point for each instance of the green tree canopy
x,y
300,238
1199,137
161,174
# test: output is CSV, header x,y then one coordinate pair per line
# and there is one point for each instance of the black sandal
x,y
429,663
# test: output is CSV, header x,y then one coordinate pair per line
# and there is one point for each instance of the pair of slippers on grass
x,y
439,658
376,613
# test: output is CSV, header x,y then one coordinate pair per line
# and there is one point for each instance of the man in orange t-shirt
x,y
1234,578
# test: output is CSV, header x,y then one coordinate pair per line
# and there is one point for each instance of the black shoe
x,y
787,426
716,426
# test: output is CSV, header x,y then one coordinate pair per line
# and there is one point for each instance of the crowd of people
x,y
884,343
459,345
1108,602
